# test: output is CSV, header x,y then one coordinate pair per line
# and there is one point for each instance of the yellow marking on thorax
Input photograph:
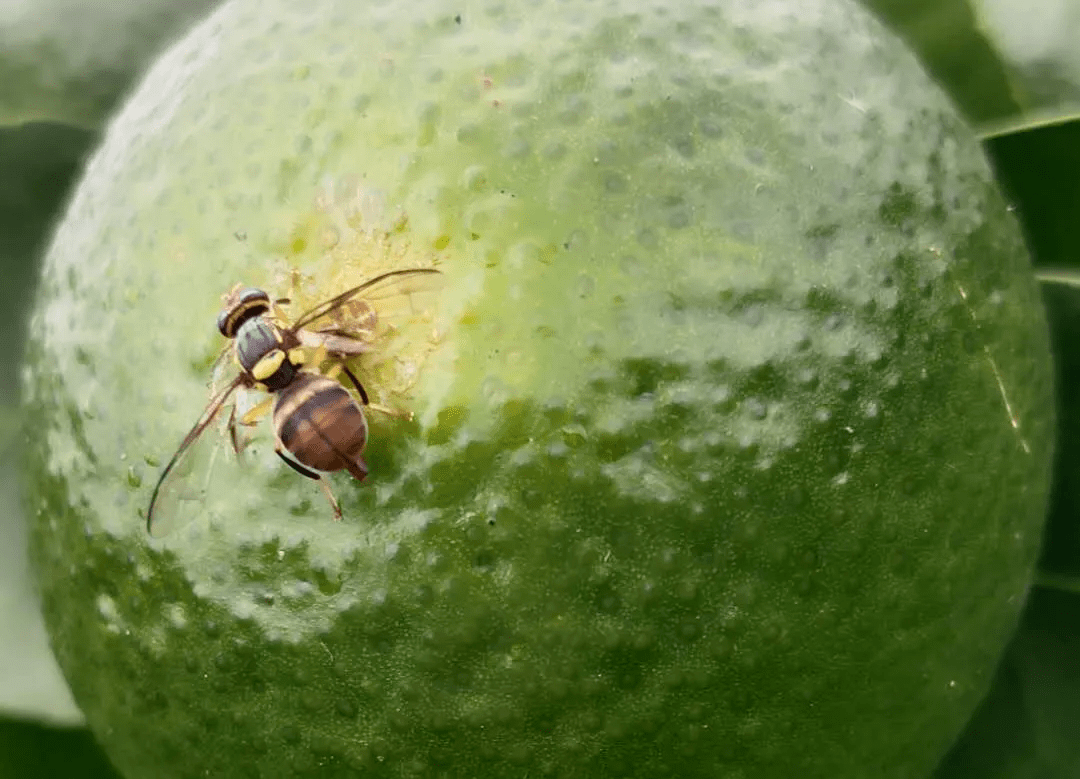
x,y
266,367
296,356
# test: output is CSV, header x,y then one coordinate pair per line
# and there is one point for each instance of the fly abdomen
x,y
320,423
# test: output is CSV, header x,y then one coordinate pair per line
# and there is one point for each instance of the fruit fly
x,y
315,418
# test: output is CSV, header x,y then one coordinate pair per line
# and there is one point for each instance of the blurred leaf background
x,y
1013,67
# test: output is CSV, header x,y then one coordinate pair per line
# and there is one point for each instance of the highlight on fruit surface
x,y
730,427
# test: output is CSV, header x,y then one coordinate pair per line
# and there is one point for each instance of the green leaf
x,y
945,35
70,61
31,751
39,162
1026,727
1009,64
1040,171
1061,547
1037,41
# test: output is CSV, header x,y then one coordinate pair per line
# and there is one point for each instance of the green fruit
x,y
729,459
1022,729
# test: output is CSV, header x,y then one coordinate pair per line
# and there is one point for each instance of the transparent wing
x,y
402,288
184,482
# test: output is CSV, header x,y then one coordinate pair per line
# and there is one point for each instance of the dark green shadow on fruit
x,y
444,607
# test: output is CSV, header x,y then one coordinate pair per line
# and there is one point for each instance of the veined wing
x,y
183,483
398,288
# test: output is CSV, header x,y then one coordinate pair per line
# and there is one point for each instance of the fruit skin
x,y
1023,727
714,469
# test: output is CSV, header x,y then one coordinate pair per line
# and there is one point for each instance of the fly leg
x,y
392,412
312,475
356,383
250,418
234,436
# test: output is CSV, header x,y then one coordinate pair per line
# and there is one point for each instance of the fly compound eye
x,y
241,307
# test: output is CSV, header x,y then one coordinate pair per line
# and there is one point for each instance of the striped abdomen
x,y
320,423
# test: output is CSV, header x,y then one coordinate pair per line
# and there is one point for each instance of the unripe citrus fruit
x,y
731,421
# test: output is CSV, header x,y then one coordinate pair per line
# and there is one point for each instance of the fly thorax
x,y
260,352
278,370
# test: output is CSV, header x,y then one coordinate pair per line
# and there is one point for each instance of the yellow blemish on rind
x,y
266,367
